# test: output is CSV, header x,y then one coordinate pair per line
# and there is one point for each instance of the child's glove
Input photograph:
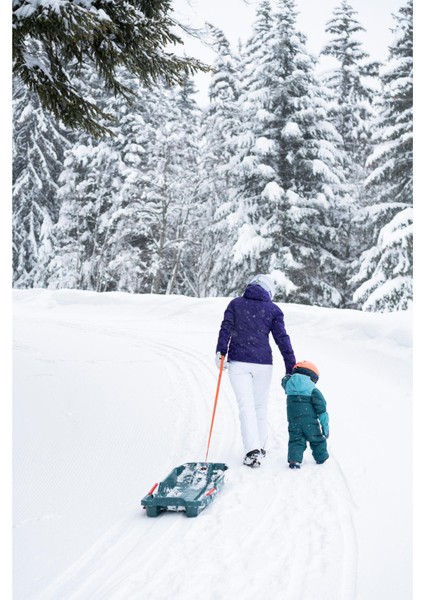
x,y
323,419
218,360
285,380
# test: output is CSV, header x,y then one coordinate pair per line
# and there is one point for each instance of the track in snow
x,y
230,549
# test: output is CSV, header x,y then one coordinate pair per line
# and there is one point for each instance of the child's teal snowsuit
x,y
305,403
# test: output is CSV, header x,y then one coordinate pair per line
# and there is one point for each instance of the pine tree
x,y
131,254
90,186
385,269
128,201
353,85
39,144
160,189
52,42
249,170
219,126
288,167
170,194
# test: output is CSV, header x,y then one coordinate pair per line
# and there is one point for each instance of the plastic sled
x,y
190,487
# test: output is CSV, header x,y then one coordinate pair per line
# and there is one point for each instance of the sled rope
x,y
221,368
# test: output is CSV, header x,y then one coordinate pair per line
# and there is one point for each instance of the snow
x,y
29,7
397,229
112,391
320,168
282,282
291,130
272,191
249,242
385,290
264,145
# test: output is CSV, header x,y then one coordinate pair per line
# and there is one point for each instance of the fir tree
x,y
288,167
249,170
39,144
53,41
220,125
90,193
128,201
91,184
353,85
130,264
170,193
157,143
385,269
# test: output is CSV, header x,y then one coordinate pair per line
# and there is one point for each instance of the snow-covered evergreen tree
x,y
247,175
172,184
219,127
353,84
39,144
128,200
158,144
284,208
90,190
269,178
385,269
130,265
89,184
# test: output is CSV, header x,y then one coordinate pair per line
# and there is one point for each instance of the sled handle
x,y
153,489
221,369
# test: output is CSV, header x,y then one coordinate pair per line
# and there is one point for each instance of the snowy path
x,y
111,393
229,551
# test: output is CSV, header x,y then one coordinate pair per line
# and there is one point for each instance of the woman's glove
x,y
323,419
218,360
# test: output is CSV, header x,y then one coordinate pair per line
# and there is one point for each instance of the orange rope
x,y
221,368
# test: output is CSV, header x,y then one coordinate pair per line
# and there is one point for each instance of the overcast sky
x,y
235,18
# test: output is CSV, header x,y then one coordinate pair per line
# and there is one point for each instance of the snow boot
x,y
252,458
294,465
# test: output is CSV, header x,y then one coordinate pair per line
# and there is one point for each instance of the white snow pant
x,y
251,383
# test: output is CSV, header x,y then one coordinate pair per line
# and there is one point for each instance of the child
x,y
306,413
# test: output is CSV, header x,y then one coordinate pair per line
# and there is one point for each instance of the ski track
x,y
307,513
254,512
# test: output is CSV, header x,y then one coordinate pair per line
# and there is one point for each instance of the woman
x,y
244,335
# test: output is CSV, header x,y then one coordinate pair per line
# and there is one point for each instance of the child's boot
x,y
294,465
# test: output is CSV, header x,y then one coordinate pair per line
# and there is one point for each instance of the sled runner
x,y
189,487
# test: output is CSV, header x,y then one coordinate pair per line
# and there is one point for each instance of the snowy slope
x,y
112,391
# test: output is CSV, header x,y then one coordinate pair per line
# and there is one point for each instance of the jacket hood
x,y
266,282
299,385
256,292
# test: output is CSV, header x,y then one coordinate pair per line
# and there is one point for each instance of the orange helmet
x,y
306,367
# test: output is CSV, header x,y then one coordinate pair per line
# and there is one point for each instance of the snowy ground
x,y
112,391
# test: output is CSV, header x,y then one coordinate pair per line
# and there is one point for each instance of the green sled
x,y
190,487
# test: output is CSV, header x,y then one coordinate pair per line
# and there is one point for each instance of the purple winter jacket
x,y
248,321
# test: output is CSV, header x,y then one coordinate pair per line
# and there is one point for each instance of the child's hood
x,y
300,385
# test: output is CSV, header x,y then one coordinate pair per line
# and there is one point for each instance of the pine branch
x,y
52,43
